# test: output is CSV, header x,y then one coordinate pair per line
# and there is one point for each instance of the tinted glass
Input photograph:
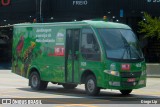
x,y
120,44
89,45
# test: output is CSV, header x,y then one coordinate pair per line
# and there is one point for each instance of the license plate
x,y
131,79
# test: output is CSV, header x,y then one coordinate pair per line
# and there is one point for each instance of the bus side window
x,y
89,45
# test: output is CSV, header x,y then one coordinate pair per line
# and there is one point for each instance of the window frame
x,y
96,40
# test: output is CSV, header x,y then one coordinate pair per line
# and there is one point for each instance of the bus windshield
x,y
120,44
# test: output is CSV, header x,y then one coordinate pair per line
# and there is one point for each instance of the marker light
x,y
104,17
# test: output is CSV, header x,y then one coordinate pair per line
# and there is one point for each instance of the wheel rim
x,y
90,85
34,81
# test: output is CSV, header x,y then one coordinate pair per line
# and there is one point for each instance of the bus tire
x,y
91,86
36,83
125,92
69,86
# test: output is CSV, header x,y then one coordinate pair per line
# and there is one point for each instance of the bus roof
x,y
104,24
95,24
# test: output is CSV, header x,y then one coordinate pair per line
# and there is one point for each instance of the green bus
x,y
99,54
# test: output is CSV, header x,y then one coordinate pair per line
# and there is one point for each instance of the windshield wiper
x,y
127,49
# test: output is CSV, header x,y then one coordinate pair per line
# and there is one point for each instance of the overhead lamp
x,y
52,18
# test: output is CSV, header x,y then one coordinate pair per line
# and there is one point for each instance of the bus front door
x,y
71,53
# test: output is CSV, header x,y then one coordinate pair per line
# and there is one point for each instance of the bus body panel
x,y
49,49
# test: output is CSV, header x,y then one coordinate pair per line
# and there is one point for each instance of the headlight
x,y
111,72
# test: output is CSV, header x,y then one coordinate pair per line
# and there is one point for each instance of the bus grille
x,y
128,84
130,74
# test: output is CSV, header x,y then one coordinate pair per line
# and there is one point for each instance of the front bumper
x,y
121,82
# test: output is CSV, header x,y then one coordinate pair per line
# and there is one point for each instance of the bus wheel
x,y
36,83
91,86
125,92
69,86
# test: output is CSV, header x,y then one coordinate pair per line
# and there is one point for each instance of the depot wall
x,y
23,9
153,69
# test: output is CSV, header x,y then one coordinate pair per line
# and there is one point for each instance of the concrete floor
x,y
14,86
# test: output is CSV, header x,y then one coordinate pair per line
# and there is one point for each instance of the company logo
x,y
125,67
60,39
138,65
5,2
113,67
59,51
